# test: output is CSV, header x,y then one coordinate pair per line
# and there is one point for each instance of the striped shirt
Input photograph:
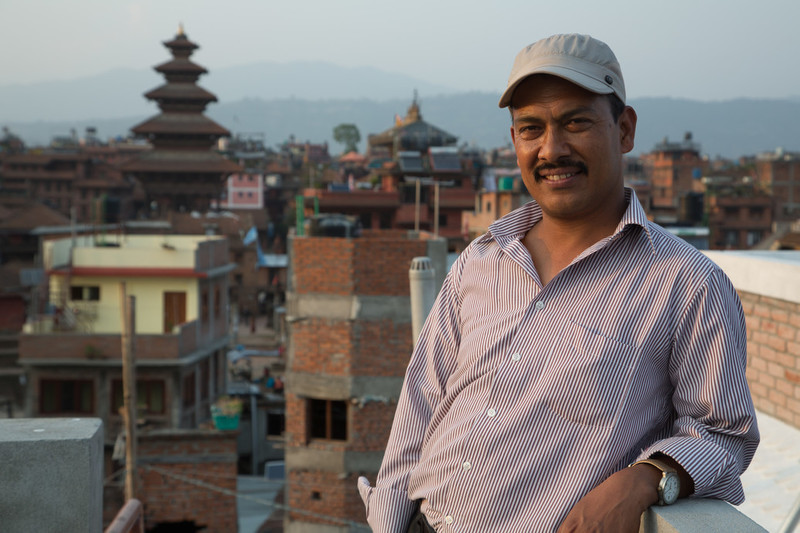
x,y
519,399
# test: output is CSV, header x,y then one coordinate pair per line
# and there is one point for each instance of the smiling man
x,y
580,363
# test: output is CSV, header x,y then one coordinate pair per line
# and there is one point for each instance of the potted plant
x,y
226,412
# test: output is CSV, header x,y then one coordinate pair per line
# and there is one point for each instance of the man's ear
x,y
627,129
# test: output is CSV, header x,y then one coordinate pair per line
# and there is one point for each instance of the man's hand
x,y
617,504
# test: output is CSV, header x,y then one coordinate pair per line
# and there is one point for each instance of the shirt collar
x,y
515,224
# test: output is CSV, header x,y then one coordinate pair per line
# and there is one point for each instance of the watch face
x,y
671,488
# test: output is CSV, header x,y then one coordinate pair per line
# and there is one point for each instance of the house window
x,y
276,423
753,237
204,306
88,293
217,303
150,394
327,419
66,396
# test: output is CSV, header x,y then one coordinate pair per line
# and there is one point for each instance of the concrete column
x,y
52,474
422,291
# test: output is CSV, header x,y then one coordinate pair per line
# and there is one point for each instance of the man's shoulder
x,y
671,248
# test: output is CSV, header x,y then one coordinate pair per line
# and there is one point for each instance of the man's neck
x,y
554,243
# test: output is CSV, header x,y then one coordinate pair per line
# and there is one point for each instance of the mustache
x,y
561,164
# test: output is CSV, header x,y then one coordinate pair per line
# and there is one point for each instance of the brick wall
x,y
296,420
206,456
773,355
370,425
322,346
326,265
341,348
382,347
324,493
323,265
79,345
374,265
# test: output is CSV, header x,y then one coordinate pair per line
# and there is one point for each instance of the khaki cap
x,y
580,59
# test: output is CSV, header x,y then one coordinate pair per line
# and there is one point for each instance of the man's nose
x,y
554,145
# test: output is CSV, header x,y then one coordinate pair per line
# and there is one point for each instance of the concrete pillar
x,y
422,291
52,474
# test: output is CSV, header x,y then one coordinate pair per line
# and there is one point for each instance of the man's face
x,y
569,148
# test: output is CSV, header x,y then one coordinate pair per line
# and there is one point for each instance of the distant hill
x,y
120,92
257,99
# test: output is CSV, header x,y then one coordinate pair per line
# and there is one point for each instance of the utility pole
x,y
416,206
436,211
128,332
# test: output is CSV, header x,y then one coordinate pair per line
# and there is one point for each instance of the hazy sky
x,y
699,49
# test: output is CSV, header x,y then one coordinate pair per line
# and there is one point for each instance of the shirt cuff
x,y
713,470
388,510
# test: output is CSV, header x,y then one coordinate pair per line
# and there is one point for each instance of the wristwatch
x,y
670,485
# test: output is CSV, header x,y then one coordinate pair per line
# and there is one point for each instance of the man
x,y
573,339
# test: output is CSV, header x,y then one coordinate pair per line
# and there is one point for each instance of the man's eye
x,y
529,132
578,123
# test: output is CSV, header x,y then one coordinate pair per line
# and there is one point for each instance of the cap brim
x,y
578,78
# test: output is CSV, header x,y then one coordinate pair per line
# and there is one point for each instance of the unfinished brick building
x,y
349,344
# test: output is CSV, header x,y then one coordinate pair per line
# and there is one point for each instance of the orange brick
x,y
780,315
762,310
784,387
776,343
786,332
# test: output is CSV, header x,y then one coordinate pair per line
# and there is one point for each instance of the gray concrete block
x,y
697,515
51,475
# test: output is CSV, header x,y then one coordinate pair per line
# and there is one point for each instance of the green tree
x,y
348,135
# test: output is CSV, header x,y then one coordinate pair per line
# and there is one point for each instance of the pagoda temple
x,y
411,134
183,171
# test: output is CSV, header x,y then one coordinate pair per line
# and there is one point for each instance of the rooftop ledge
x,y
768,273
54,482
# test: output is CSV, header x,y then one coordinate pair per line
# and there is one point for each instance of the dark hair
x,y
617,107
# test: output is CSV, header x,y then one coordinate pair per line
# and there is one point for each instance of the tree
x,y
348,135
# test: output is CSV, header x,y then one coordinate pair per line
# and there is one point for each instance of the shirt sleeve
x,y
388,505
715,433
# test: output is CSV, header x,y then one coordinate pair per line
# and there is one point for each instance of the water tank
x,y
334,225
505,183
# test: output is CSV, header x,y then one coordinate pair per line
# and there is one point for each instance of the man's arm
x,y
715,434
388,506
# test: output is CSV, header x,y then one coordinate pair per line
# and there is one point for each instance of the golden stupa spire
x,y
180,30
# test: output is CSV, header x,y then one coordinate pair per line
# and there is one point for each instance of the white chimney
x,y
423,292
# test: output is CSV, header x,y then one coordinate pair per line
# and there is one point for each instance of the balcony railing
x,y
130,519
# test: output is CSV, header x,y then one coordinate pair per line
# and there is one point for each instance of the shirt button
x,y
539,305
466,465
448,519
491,412
516,357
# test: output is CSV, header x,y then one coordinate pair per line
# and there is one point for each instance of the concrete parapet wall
x,y
697,516
767,285
52,474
